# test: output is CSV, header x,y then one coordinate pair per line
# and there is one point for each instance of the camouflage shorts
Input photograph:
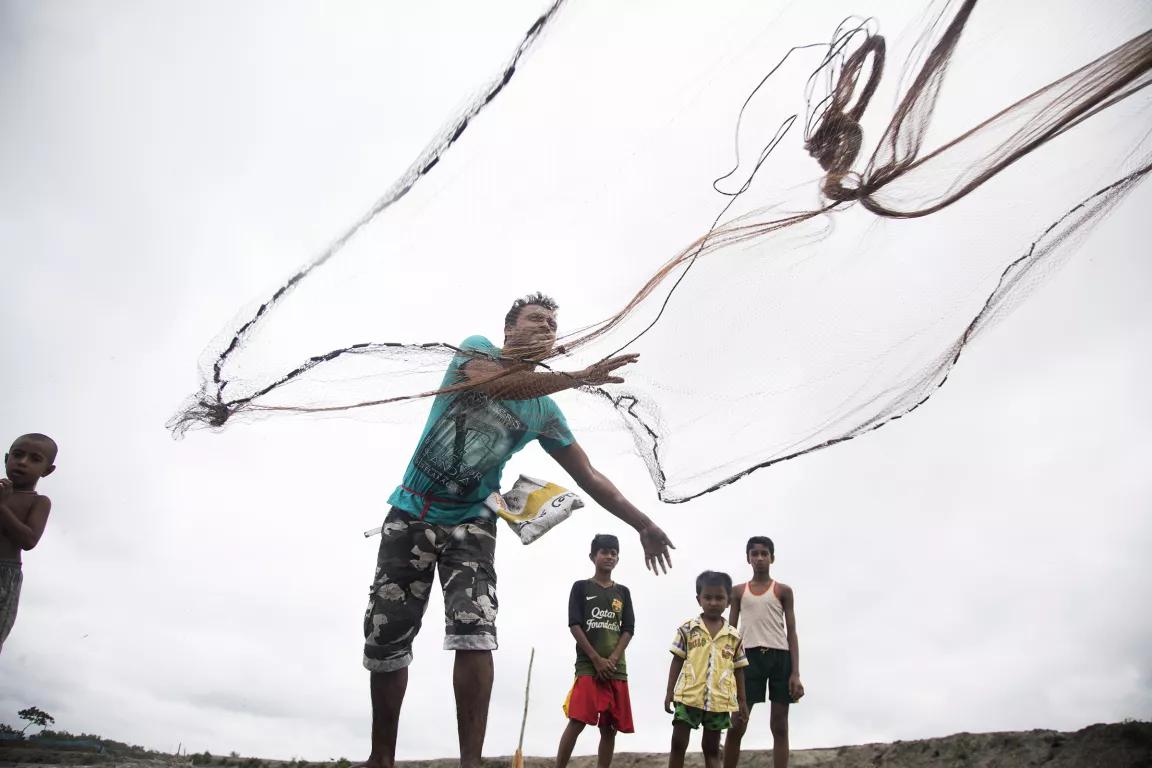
x,y
410,550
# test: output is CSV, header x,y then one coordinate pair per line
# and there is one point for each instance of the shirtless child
x,y
23,515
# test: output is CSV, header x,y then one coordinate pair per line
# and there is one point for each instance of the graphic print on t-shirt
x,y
604,618
474,435
603,613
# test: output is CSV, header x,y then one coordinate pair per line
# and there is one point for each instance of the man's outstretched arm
x,y
654,541
518,382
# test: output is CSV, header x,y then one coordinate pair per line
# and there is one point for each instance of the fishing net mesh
x,y
798,219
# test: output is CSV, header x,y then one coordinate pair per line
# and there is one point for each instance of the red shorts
x,y
600,702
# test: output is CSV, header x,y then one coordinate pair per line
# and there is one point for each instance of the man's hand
x,y
613,660
740,716
656,544
5,489
668,703
601,372
603,667
795,687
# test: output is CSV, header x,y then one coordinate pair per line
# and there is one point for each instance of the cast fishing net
x,y
798,217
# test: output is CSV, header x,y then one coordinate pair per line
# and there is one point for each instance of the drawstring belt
x,y
429,500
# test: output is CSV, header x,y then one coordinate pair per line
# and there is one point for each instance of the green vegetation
x,y
35,716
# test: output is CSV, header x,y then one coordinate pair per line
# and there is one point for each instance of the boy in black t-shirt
x,y
601,619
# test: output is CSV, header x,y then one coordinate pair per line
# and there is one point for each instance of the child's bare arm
x,y
741,698
627,628
583,642
618,651
673,676
788,601
734,610
26,534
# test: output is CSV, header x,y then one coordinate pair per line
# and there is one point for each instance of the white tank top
x,y
762,618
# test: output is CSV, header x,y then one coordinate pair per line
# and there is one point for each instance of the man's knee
x,y
680,738
470,603
607,731
779,725
388,642
463,641
473,658
393,679
392,620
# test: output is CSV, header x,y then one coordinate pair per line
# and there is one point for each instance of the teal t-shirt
x,y
467,441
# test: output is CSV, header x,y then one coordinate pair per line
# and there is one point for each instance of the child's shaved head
x,y
46,444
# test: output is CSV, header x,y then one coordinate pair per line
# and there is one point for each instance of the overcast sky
x,y
980,565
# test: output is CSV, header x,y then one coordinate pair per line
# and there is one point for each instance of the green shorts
x,y
767,672
694,718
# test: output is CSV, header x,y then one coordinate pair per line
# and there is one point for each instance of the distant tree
x,y
233,753
35,716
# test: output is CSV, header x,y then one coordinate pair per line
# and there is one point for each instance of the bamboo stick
x,y
518,758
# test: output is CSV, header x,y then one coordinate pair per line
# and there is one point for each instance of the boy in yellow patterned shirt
x,y
706,678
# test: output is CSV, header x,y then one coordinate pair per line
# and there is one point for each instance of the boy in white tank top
x,y
763,610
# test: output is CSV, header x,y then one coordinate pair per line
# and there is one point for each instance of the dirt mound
x,y
1117,745
1120,745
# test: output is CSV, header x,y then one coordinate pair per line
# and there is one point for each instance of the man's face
x,y
27,461
533,334
760,558
713,600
